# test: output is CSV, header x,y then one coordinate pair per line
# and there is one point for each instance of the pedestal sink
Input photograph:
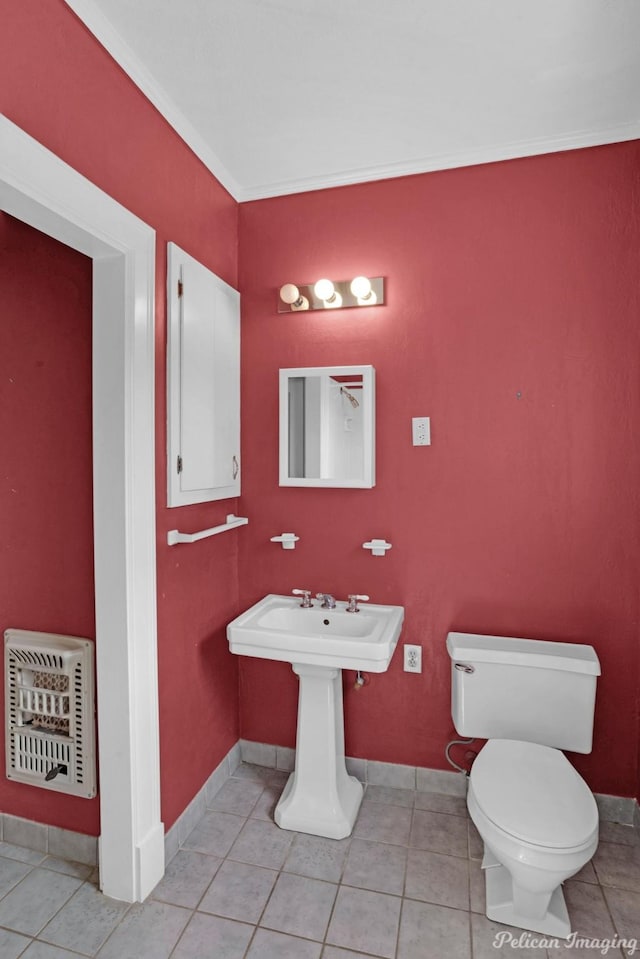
x,y
320,797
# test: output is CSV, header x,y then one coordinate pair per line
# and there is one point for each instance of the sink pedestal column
x,y
320,797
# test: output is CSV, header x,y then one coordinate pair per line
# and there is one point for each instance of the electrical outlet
x,y
412,659
421,430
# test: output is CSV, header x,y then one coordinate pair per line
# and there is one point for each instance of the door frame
x,y
40,189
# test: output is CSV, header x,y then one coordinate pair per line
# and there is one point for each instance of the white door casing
x,y
41,190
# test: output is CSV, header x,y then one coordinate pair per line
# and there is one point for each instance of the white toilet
x,y
536,815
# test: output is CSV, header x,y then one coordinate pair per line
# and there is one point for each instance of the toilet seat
x,y
533,793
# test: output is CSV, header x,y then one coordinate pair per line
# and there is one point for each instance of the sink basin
x,y
278,628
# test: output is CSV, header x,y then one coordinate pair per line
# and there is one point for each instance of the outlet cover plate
x,y
421,430
412,658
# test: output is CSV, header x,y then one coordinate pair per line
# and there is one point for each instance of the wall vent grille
x,y
50,722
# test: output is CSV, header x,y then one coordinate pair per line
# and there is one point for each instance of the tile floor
x,y
406,885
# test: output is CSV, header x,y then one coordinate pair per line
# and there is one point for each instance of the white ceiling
x,y
281,96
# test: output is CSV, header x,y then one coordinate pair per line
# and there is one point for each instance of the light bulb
x,y
361,289
324,289
289,293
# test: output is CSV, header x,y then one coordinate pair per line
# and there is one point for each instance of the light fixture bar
x,y
324,294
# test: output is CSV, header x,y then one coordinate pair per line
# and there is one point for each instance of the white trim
x,y
110,39
38,188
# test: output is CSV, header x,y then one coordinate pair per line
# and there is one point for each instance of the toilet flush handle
x,y
464,668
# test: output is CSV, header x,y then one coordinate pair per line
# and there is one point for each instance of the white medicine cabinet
x,y
203,382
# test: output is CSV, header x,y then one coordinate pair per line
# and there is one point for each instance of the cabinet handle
x,y
236,466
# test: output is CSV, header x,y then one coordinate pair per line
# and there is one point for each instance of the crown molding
x,y
104,32
577,140
113,43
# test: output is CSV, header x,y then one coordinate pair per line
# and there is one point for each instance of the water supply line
x,y
471,753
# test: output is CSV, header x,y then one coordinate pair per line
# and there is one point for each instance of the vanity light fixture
x,y
328,294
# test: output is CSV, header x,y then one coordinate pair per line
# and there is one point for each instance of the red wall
x,y
512,321
45,484
62,88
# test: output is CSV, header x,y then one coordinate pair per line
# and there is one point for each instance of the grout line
x,y
334,903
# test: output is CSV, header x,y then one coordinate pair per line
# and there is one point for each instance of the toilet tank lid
x,y
508,650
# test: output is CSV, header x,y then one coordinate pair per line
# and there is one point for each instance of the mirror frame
x,y
368,374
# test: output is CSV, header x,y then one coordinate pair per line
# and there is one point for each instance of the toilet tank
x,y
525,689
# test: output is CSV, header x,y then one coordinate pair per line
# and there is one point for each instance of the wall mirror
x,y
327,426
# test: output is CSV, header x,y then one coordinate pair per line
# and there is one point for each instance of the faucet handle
x,y
306,597
354,599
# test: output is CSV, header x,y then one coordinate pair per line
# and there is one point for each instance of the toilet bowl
x,y
539,824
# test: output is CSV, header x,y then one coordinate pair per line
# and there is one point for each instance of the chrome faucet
x,y
328,602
